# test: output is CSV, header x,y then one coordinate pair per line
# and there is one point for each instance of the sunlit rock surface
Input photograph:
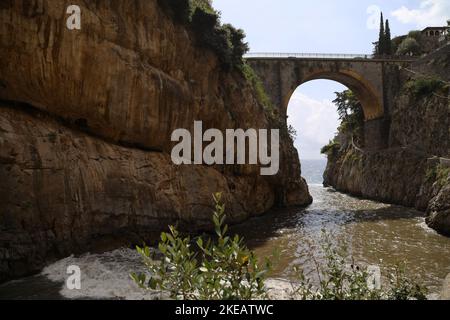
x,y
85,124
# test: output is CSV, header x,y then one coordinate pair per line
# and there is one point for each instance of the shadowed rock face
x,y
405,172
85,164
439,208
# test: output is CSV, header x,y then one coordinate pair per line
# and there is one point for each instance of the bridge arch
x,y
282,76
283,73
370,99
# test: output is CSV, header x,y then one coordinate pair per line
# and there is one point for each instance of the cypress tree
x,y
381,39
388,40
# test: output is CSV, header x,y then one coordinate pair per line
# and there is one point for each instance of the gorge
x,y
86,123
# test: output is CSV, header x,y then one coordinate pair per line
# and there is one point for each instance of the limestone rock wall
x,y
408,172
85,124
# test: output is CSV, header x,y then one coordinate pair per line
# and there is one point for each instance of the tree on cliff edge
x,y
387,39
384,45
381,38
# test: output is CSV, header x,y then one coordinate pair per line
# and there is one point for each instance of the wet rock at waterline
x,y
445,294
439,208
413,170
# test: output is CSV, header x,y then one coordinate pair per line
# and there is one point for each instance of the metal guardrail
x,y
308,55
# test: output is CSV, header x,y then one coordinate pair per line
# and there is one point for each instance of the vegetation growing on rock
x,y
351,115
351,129
258,87
341,278
425,86
224,40
409,47
438,174
224,268
331,148
212,269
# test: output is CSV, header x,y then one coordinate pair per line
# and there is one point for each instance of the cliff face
x,y
85,124
412,170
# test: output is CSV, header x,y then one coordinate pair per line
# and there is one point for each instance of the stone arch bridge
x,y
367,77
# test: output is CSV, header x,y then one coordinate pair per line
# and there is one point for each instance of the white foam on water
x,y
103,276
423,225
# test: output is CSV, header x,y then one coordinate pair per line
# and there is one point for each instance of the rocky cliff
x,y
413,170
86,118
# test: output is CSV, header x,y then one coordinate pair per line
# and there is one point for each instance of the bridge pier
x,y
376,134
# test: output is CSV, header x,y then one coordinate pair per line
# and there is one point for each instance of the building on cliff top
x,y
431,38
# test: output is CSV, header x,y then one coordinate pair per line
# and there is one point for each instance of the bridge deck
x,y
322,56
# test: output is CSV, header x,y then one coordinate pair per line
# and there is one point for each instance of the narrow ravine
x,y
376,234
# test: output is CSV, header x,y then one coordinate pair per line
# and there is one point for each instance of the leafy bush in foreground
x,y
339,278
222,269
225,269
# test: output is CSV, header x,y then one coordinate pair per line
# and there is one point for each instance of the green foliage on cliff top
x,y
409,47
225,41
425,86
331,148
396,43
415,34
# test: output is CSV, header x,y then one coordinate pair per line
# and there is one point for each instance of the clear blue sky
x,y
323,26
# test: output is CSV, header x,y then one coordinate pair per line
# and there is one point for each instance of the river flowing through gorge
x,y
375,233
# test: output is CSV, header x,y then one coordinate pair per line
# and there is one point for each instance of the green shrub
x,y
257,85
409,47
204,5
206,26
331,148
396,43
339,278
415,34
222,269
402,287
423,87
442,175
238,47
225,41
225,269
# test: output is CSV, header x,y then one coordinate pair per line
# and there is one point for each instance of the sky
x,y
323,26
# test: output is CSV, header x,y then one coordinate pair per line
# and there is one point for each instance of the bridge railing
x,y
308,55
